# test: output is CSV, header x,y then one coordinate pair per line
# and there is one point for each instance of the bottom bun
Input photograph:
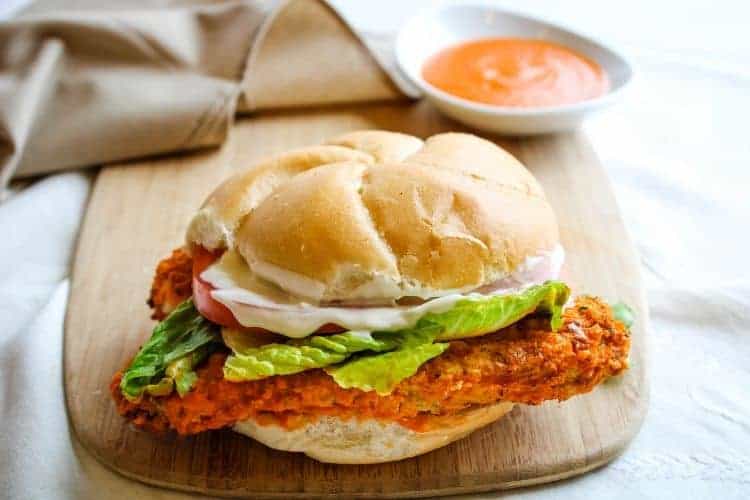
x,y
333,440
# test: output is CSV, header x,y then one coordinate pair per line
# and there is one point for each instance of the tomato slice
x,y
209,308
215,311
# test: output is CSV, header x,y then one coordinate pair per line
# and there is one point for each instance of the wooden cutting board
x,y
139,211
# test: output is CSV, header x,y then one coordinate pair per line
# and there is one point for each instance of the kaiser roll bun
x,y
377,215
331,439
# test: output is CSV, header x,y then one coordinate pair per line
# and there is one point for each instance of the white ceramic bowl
x,y
439,27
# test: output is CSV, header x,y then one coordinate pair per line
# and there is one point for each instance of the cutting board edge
x,y
477,485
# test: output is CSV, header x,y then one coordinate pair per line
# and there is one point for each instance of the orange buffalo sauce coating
x,y
515,72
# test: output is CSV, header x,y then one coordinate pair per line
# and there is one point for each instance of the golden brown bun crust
x,y
337,441
380,215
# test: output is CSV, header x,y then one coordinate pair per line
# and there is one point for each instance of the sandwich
x,y
367,300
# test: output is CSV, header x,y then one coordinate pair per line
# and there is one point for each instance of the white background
x,y
678,152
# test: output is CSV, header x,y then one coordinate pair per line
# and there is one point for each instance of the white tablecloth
x,y
678,153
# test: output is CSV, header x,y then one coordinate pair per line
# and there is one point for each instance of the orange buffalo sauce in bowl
x,y
515,72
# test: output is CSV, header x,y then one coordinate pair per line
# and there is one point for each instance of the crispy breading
x,y
525,363
172,283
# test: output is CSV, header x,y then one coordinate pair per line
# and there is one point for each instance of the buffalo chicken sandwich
x,y
368,300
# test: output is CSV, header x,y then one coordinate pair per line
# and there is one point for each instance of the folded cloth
x,y
103,81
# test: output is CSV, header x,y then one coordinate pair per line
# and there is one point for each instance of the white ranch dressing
x,y
255,302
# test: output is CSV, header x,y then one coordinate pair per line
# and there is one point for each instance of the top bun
x,y
377,215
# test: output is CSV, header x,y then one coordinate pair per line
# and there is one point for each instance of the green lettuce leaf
x,y
178,344
182,370
163,387
295,356
383,372
477,316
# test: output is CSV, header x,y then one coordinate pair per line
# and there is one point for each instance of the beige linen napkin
x,y
89,82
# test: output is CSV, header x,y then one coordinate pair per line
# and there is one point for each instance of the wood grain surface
x,y
139,211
